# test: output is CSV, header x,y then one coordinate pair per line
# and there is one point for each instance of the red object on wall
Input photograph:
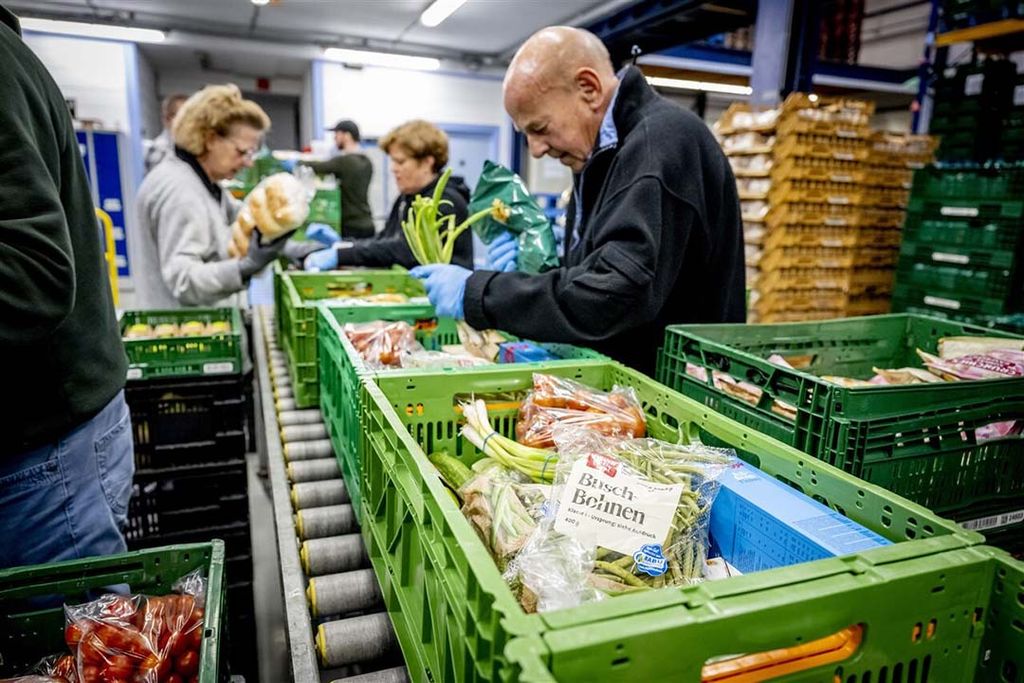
x,y
263,84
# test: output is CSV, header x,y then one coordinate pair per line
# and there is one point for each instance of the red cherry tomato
x,y
92,651
178,645
187,664
73,634
195,638
194,679
173,678
164,667
90,673
120,666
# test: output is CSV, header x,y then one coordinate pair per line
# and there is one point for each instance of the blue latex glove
x,y
503,253
322,233
289,164
446,287
325,259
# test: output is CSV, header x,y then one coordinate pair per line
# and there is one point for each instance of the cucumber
x,y
454,473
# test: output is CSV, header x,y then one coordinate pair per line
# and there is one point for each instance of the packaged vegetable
x,y
623,515
503,507
993,364
422,358
560,401
381,344
483,344
952,347
522,217
137,638
52,669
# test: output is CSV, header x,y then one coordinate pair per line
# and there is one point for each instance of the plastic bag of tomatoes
x,y
139,639
52,669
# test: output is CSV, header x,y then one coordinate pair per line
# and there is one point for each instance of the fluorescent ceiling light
x,y
438,11
705,86
337,54
260,3
75,28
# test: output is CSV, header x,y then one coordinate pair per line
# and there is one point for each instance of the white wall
x,y
91,72
306,109
379,99
149,99
190,79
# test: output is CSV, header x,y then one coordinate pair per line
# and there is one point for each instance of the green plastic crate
x,y
184,356
325,207
950,618
450,607
29,632
965,255
342,369
956,207
1002,182
963,305
918,441
940,280
297,297
981,233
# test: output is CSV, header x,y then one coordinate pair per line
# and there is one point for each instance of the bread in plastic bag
x,y
279,204
624,515
557,400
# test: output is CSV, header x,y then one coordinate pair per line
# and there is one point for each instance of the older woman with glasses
x,y
184,216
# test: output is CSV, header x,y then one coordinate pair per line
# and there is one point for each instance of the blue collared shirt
x,y
607,136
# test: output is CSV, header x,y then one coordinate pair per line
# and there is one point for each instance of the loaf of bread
x,y
277,206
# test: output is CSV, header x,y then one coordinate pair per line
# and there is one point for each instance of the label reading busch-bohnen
x,y
603,504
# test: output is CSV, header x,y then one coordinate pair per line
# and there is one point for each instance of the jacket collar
x,y
633,95
7,17
213,188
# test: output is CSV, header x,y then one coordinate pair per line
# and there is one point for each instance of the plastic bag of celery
x,y
526,220
624,515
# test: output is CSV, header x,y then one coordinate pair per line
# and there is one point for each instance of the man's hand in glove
x,y
260,255
502,253
446,287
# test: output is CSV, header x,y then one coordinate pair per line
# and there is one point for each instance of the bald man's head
x,y
557,89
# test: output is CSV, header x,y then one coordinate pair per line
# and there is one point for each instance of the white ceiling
x,y
479,27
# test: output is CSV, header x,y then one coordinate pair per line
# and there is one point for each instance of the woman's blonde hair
x,y
215,109
419,139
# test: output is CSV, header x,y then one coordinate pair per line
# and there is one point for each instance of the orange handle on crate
x,y
110,253
763,666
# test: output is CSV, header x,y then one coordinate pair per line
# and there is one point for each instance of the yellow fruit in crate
x,y
193,328
166,330
138,331
219,327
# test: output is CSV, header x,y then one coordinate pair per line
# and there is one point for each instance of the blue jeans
x,y
69,499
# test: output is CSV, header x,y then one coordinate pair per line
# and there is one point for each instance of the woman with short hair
x,y
418,153
185,217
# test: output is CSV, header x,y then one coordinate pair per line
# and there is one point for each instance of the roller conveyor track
x,y
338,631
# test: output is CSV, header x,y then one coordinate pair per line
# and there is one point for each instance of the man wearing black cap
x,y
353,170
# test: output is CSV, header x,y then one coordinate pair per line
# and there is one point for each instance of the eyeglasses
x,y
246,154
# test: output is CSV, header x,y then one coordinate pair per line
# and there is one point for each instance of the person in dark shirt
x,y
354,171
653,232
66,461
418,153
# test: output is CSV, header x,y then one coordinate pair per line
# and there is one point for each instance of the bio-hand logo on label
x,y
651,560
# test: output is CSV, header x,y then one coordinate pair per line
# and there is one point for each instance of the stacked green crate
x,y
961,242
970,103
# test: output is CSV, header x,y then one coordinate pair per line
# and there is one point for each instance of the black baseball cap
x,y
347,126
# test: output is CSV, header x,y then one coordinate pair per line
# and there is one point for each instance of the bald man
x,y
653,232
